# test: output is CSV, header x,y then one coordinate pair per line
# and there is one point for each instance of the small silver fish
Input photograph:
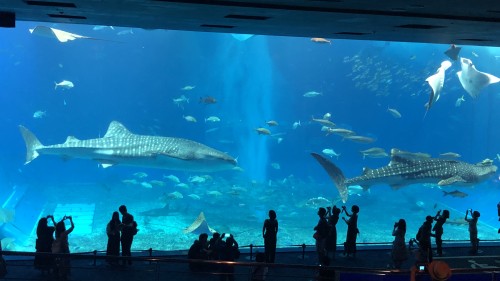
x,y
64,84
459,101
394,112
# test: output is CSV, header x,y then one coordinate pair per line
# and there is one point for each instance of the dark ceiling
x,y
460,21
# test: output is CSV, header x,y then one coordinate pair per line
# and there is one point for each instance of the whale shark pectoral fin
x,y
105,163
451,180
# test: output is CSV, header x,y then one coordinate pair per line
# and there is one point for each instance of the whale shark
x,y
121,147
406,168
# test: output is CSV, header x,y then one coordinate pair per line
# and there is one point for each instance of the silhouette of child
x,y
473,230
259,272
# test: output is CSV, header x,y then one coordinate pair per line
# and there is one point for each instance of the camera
x,y
421,267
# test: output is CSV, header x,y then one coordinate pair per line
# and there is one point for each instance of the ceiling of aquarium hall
x,y
458,22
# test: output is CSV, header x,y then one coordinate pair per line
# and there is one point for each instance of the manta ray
x,y
61,35
436,82
473,80
408,168
121,147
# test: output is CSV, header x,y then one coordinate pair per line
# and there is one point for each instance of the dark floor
x,y
290,266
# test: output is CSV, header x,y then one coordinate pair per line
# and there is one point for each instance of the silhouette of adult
x,y
61,246
44,240
269,232
321,234
424,241
198,251
473,230
129,229
333,215
113,233
229,252
438,230
352,230
399,252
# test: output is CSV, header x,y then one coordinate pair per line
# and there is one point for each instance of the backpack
x,y
134,228
419,234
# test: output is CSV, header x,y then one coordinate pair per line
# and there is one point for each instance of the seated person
x,y
198,251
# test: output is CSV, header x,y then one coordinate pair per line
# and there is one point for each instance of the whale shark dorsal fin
x,y
71,139
116,129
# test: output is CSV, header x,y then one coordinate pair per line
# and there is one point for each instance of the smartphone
x,y
421,267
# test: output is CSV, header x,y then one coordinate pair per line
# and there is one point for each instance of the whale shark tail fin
x,y
335,174
32,144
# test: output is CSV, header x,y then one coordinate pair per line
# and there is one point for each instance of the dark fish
x,y
208,100
455,193
403,171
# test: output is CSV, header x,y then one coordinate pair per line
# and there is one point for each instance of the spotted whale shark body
x,y
405,169
121,147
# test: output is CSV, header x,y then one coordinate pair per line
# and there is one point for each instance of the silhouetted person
x,y
113,233
198,251
424,241
129,229
44,240
259,271
473,230
270,233
399,252
229,252
321,233
214,246
352,230
61,246
438,230
331,241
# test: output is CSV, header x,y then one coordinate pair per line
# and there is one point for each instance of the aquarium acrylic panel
x,y
202,132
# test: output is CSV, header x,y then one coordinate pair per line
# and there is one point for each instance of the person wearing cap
x,y
473,230
438,271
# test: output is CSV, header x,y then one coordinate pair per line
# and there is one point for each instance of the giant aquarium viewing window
x,y
208,132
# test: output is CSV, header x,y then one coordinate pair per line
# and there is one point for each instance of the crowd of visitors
x,y
224,247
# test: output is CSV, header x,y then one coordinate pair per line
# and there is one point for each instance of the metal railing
x,y
148,266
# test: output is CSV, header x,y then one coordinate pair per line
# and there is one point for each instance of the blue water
x,y
133,78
